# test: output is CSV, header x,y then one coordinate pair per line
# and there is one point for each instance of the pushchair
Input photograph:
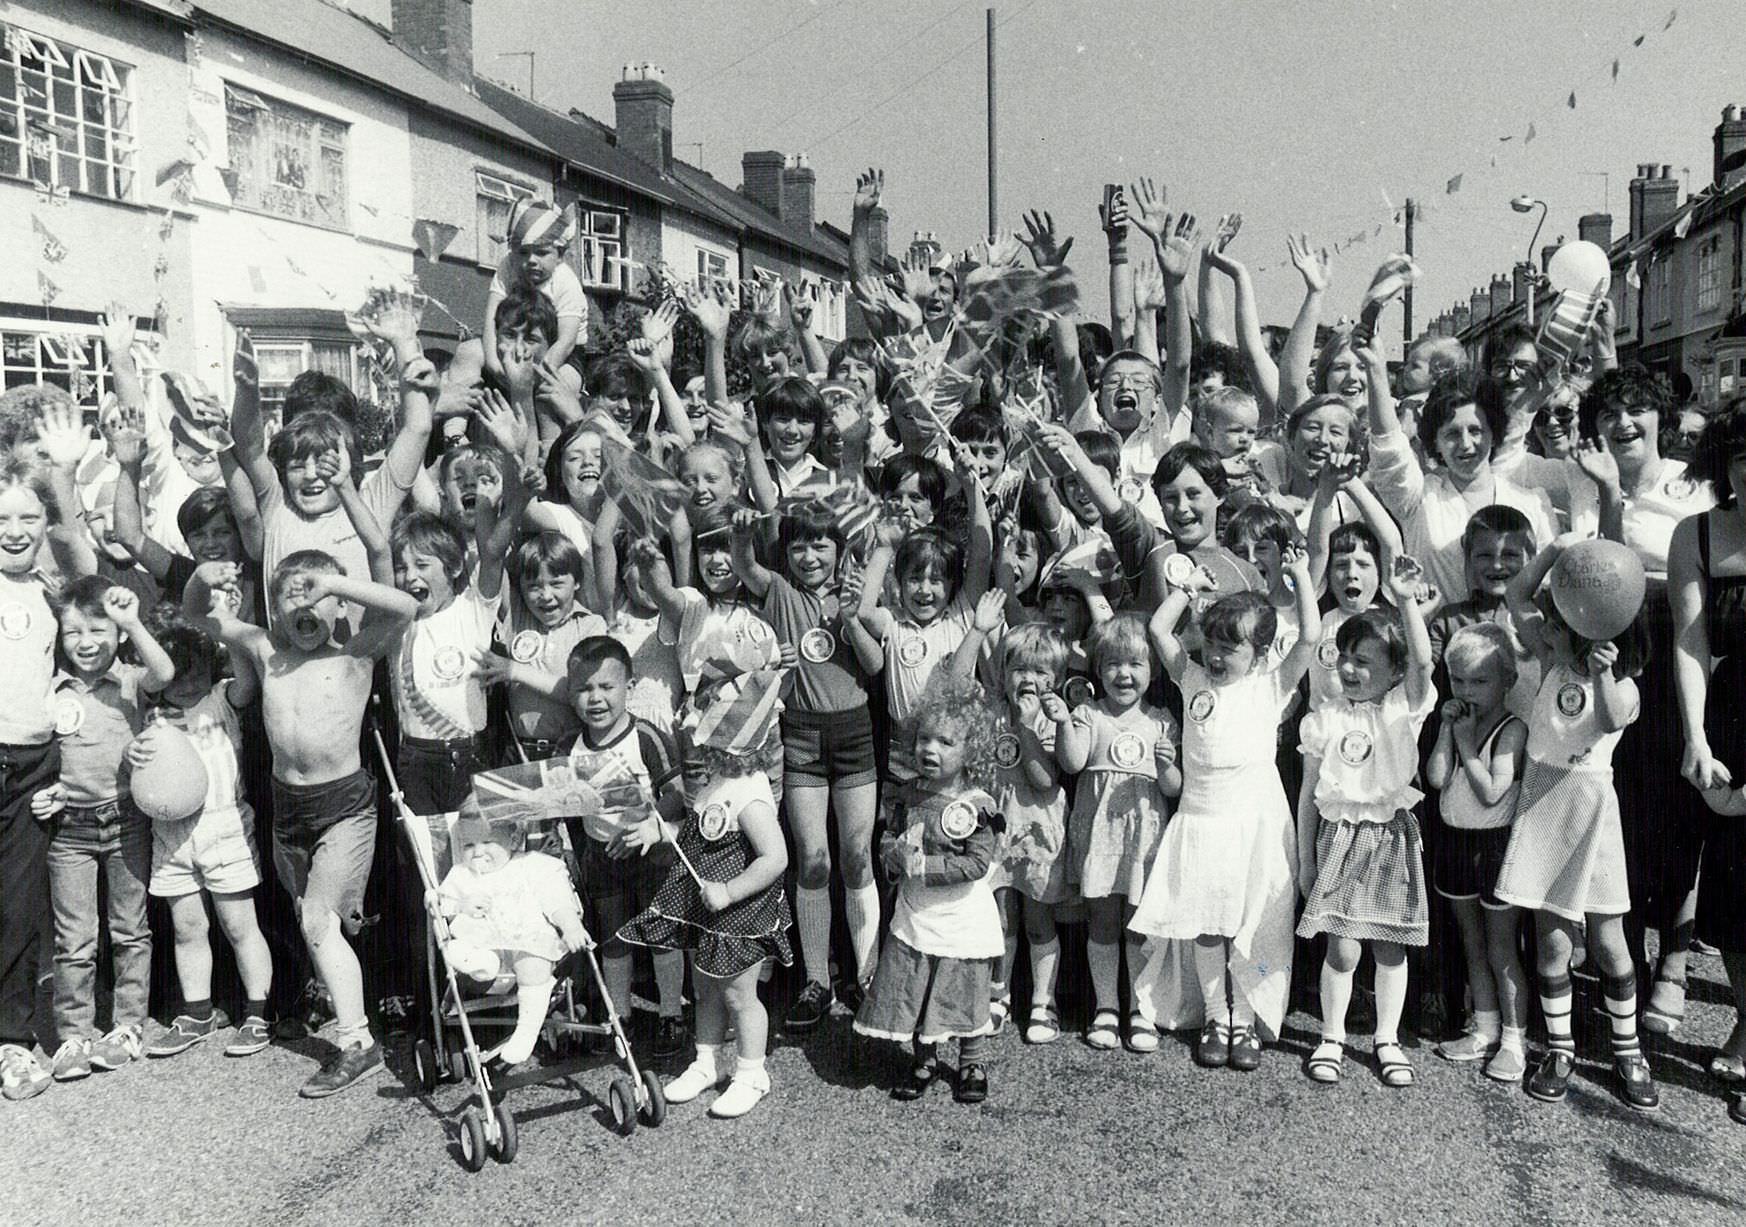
x,y
451,1050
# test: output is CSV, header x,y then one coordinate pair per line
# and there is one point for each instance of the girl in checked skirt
x,y
936,967
1360,861
1566,856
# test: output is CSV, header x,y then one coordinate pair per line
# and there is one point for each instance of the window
x,y
288,162
712,267
1661,291
66,118
74,360
599,247
283,358
1710,274
495,196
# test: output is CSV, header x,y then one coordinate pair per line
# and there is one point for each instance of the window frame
x,y
589,241
317,145
1709,274
86,73
511,191
53,368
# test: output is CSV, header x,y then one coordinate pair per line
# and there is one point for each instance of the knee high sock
x,y
812,912
1209,967
861,909
1336,999
972,1050
670,982
1105,959
1045,960
532,1001
1621,997
1391,995
1555,1005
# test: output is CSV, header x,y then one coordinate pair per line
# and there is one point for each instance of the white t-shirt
x,y
286,532
563,289
434,677
1649,515
1369,755
1564,731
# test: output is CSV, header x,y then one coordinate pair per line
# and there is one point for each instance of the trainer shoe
x,y
742,1095
21,1074
72,1061
671,1036
342,1069
1470,1047
1635,1083
116,1049
251,1036
184,1032
1507,1065
1551,1082
811,1008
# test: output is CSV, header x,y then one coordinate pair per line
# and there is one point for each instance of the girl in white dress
x,y
1360,860
1225,875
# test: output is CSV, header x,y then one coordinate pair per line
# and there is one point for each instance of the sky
x,y
1312,117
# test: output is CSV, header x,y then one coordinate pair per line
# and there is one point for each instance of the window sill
x,y
131,206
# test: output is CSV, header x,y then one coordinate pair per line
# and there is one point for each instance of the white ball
x,y
1579,267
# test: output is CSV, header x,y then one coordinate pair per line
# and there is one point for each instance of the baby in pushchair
x,y
511,912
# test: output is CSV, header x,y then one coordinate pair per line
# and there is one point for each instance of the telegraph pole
x,y
1412,210
993,193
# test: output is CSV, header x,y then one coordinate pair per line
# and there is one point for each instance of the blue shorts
x,y
829,747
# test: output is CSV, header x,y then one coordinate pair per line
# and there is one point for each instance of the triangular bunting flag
x,y
1615,68
1531,133
47,289
1638,41
1454,186
1633,278
1682,227
1571,103
170,170
53,250
1671,18
433,238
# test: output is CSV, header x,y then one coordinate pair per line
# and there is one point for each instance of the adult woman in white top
x,y
1638,498
1458,426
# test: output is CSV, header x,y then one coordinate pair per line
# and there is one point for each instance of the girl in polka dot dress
x,y
1360,861
1124,751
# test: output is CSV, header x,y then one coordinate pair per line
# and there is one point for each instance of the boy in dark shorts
x,y
629,761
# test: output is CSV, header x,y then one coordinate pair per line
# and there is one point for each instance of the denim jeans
x,y
24,904
111,844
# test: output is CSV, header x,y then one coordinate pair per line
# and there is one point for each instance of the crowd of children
x,y
1208,657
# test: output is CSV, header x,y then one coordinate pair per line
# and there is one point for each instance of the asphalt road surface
x,y
1068,1135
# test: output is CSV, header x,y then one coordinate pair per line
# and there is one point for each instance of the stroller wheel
x,y
457,1071
424,1066
623,1099
507,1142
472,1140
655,1107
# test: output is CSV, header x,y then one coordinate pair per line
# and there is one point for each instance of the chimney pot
x,y
1596,228
439,33
1728,113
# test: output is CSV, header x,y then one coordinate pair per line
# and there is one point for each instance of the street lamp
x,y
1527,204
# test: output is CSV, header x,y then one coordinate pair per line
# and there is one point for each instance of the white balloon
x,y
1579,267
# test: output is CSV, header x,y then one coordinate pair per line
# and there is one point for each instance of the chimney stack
x,y
1479,305
1521,281
1654,199
1596,228
761,170
798,186
439,33
1730,142
643,115
1500,294
1460,318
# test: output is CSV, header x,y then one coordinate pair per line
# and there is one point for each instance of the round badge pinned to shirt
x,y
912,651
712,822
1078,691
1328,653
448,664
1680,488
1006,751
14,621
524,649
1201,706
818,645
1131,490
1177,569
69,715
1572,699
1127,751
1356,747
958,820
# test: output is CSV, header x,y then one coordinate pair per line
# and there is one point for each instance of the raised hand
x,y
990,611
126,434
801,303
1216,254
1602,657
711,307
917,279
1404,578
1055,709
507,428
334,467
118,333
1002,250
1313,264
1149,286
657,325
1148,211
1597,463
1176,252
550,387
731,422
122,606
62,433
645,355
1047,250
877,297
869,187
243,367
392,315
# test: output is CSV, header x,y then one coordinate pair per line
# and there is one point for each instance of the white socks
x,y
1209,968
532,1001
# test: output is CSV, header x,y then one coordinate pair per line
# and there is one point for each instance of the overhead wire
x,y
818,12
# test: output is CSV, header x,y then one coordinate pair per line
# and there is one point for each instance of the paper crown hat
x,y
534,222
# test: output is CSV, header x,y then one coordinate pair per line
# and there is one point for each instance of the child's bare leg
x,y
857,807
1045,950
1007,900
808,803
1503,956
1470,920
1136,951
254,961
336,963
751,1020
533,997
1734,963
193,953
1104,951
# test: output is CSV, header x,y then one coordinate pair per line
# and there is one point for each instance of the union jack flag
x,y
740,714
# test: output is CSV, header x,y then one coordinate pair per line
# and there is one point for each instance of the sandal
x,y
1726,1067
1102,1033
921,1077
999,1010
1666,1006
1142,1035
1045,1027
972,1084
1397,1071
1326,1062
